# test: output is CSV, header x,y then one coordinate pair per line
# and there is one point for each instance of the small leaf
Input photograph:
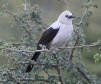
x,y
87,5
96,57
58,0
89,13
95,6
86,23
1,14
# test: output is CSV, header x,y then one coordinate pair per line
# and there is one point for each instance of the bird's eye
x,y
66,15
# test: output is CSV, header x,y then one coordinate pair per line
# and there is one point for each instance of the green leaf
x,y
86,23
1,14
89,13
59,0
87,5
94,5
96,57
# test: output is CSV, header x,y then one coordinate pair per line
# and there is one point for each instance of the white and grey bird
x,y
57,34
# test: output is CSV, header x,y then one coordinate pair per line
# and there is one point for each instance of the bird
x,y
57,35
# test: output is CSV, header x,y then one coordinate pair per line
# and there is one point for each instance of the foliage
x,y
97,57
58,65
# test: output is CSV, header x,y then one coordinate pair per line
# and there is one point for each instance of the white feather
x,y
65,30
55,25
62,36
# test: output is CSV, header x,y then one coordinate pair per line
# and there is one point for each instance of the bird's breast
x,y
62,36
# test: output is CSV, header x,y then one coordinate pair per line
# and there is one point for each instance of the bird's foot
x,y
48,47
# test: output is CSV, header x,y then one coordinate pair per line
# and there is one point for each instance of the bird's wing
x,y
45,39
48,36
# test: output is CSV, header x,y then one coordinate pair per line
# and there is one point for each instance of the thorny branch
x,y
23,79
86,11
66,3
58,70
46,50
83,74
10,76
53,65
2,80
71,54
24,5
36,63
9,58
14,16
72,51
47,72
82,18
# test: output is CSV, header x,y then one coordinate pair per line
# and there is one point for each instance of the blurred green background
x,y
50,12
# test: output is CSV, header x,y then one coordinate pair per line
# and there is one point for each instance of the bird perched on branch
x,y
57,34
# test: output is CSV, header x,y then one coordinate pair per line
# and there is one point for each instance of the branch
x,y
24,79
83,74
82,18
12,61
83,46
58,70
50,51
9,75
71,54
36,63
59,75
14,16
32,79
47,72
91,1
2,80
28,51
24,5
66,3
86,11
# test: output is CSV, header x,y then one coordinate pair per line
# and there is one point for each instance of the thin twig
x,y
28,51
83,74
91,1
32,79
47,72
9,75
7,55
72,51
2,80
14,16
46,50
66,3
83,46
82,18
36,63
24,5
58,71
24,79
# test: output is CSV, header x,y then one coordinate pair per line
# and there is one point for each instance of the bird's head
x,y
66,17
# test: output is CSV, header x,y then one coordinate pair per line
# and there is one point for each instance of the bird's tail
x,y
35,57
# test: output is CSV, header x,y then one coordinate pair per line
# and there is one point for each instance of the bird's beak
x,y
72,16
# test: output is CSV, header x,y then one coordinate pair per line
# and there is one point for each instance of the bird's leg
x,y
48,47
